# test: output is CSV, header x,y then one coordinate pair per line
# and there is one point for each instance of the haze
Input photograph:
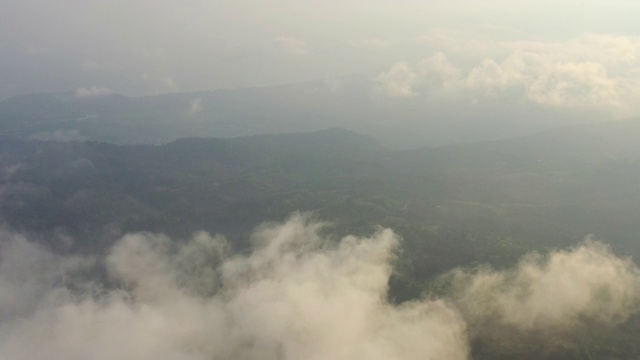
x,y
148,47
430,72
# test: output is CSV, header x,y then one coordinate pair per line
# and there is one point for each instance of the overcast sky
x,y
555,53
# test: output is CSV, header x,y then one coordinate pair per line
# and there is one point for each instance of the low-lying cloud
x,y
562,289
297,295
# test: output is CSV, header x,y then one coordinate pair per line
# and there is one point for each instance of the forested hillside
x,y
549,189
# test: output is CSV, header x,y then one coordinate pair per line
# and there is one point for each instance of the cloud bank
x,y
297,295
592,71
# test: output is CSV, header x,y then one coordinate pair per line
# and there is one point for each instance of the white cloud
x,y
558,290
291,45
398,81
438,70
297,295
588,72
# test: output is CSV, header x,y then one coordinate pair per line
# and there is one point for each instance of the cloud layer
x,y
297,295
587,72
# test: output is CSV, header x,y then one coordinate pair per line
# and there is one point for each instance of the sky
x,y
555,51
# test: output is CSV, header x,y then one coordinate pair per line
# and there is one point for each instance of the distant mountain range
x,y
349,102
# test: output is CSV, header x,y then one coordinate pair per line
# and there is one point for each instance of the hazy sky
x,y
566,53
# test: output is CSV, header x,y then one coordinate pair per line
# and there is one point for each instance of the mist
x,y
429,73
298,294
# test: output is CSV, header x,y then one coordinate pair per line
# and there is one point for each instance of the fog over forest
x,y
288,180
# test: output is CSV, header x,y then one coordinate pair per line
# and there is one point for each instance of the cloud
x,y
29,278
291,45
92,92
297,295
398,81
195,106
561,289
597,72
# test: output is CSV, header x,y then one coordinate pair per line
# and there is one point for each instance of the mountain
x,y
348,102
